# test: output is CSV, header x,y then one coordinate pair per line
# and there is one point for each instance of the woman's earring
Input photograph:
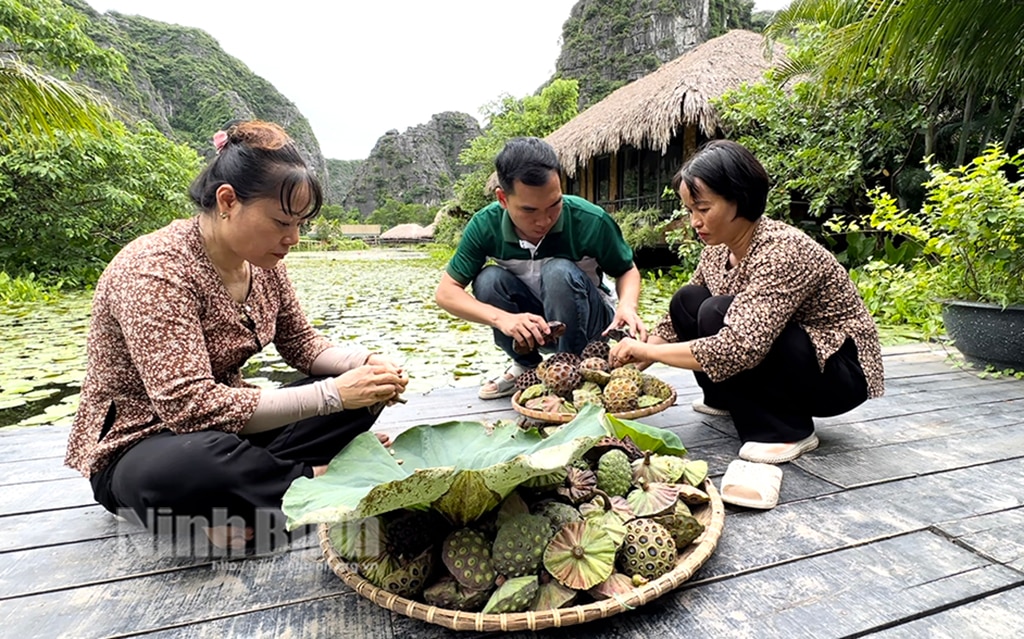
x,y
223,215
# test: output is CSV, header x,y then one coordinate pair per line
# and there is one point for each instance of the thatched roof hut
x,y
408,233
650,112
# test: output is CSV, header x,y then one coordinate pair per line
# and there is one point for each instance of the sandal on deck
x,y
503,385
699,406
751,485
777,453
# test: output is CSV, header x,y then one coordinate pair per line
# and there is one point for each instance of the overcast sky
x,y
358,69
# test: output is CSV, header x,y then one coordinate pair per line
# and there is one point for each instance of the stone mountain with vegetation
x,y
609,43
419,166
181,81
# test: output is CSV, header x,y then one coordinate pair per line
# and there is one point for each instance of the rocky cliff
x,y
418,166
184,83
608,43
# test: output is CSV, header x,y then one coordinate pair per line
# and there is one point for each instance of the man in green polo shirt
x,y
550,253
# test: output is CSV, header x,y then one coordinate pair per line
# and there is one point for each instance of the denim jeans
x,y
567,295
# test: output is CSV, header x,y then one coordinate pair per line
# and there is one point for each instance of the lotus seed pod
x,y
467,555
515,595
647,550
519,545
614,474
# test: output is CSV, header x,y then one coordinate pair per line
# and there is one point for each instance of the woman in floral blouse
x,y
771,324
167,430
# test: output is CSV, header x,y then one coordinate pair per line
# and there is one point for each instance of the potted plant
x,y
971,231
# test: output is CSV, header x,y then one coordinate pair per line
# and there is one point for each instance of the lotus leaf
x,y
462,469
653,439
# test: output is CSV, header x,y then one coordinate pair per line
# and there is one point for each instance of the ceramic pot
x,y
986,334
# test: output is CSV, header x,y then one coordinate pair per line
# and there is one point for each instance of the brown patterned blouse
x,y
166,344
785,276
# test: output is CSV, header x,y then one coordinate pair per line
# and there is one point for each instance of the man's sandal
x,y
751,485
503,385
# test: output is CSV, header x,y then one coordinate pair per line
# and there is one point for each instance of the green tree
x,y
69,206
508,117
42,43
822,151
392,213
967,51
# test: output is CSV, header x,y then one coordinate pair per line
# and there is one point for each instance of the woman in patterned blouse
x,y
167,430
771,324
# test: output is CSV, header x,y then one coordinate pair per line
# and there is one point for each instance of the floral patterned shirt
x,y
166,345
785,276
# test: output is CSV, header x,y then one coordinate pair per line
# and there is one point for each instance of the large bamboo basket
x,y
562,418
711,515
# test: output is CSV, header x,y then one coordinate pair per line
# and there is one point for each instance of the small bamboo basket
x,y
563,418
711,515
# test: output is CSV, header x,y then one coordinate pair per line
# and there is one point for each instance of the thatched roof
x,y
648,112
408,232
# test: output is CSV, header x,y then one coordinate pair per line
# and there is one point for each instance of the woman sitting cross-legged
x,y
771,324
167,429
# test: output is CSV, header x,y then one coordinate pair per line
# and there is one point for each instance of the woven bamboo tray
x,y
712,515
562,418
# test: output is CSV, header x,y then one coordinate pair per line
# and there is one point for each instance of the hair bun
x,y
258,134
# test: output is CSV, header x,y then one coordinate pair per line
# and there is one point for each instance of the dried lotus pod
x,y
410,579
616,585
515,595
692,494
581,555
652,498
597,348
595,365
527,379
658,468
553,595
606,443
601,378
448,593
579,484
467,555
683,528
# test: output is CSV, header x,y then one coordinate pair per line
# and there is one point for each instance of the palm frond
x,y
33,104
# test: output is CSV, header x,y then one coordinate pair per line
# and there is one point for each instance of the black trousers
x,y
775,400
215,478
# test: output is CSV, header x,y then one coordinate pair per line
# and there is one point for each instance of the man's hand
x,y
626,317
526,328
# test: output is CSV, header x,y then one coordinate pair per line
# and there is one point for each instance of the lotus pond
x,y
382,298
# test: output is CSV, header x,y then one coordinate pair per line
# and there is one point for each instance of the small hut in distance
x,y
623,151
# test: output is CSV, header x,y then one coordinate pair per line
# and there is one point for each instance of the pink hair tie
x,y
220,139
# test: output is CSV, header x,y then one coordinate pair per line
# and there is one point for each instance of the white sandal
x,y
503,385
777,453
751,485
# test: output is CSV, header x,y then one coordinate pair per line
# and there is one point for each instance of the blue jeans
x,y
567,295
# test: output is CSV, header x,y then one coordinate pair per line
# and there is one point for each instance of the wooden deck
x,y
907,522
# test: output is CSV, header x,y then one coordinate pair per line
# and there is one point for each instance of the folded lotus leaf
x,y
462,469
650,438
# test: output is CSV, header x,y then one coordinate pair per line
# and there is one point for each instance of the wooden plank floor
x,y
908,521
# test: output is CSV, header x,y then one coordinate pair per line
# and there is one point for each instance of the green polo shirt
x,y
584,234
